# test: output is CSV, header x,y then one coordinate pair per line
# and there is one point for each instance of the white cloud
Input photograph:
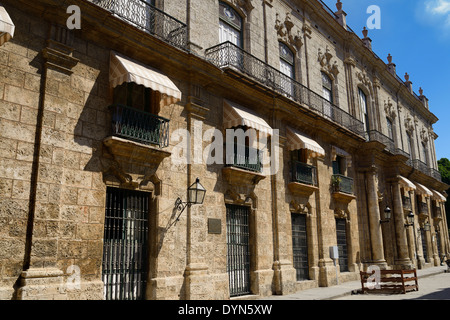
x,y
439,7
438,12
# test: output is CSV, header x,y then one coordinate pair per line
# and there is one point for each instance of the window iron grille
x,y
238,250
125,252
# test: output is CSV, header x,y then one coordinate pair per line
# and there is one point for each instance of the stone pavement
x,y
431,281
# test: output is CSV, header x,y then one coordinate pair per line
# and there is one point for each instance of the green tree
x,y
444,169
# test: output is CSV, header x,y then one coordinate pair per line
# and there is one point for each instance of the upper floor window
x,y
230,25
327,87
410,145
424,153
390,128
286,61
287,68
363,108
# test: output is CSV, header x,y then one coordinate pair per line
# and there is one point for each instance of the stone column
x,y
402,260
376,237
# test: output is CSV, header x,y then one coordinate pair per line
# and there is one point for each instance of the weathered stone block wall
x,y
20,65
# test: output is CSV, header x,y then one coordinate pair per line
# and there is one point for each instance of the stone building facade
x,y
103,128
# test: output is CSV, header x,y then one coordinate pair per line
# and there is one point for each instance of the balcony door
x,y
230,25
287,68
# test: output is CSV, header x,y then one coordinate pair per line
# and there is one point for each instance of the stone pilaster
x,y
197,272
376,237
402,260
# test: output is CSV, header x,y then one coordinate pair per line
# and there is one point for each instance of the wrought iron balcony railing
x,y
423,208
407,205
150,19
421,166
139,126
304,173
227,55
245,157
374,135
435,174
437,213
342,184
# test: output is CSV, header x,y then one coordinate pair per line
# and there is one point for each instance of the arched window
x,y
363,108
230,23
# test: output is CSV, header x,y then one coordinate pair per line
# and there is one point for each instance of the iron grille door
x,y
341,235
438,244
424,245
125,244
300,246
238,250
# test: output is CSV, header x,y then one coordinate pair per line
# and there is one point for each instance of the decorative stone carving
x,y
341,213
424,135
363,77
245,5
234,197
326,63
285,33
300,208
409,124
389,109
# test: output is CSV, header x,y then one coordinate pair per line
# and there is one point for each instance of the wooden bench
x,y
391,281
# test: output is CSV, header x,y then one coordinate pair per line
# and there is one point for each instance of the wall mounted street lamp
x,y
196,195
427,227
410,219
387,215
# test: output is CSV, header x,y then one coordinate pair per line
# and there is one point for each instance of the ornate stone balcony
x,y
137,135
342,188
304,179
244,166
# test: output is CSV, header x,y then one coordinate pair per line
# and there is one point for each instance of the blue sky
x,y
417,34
